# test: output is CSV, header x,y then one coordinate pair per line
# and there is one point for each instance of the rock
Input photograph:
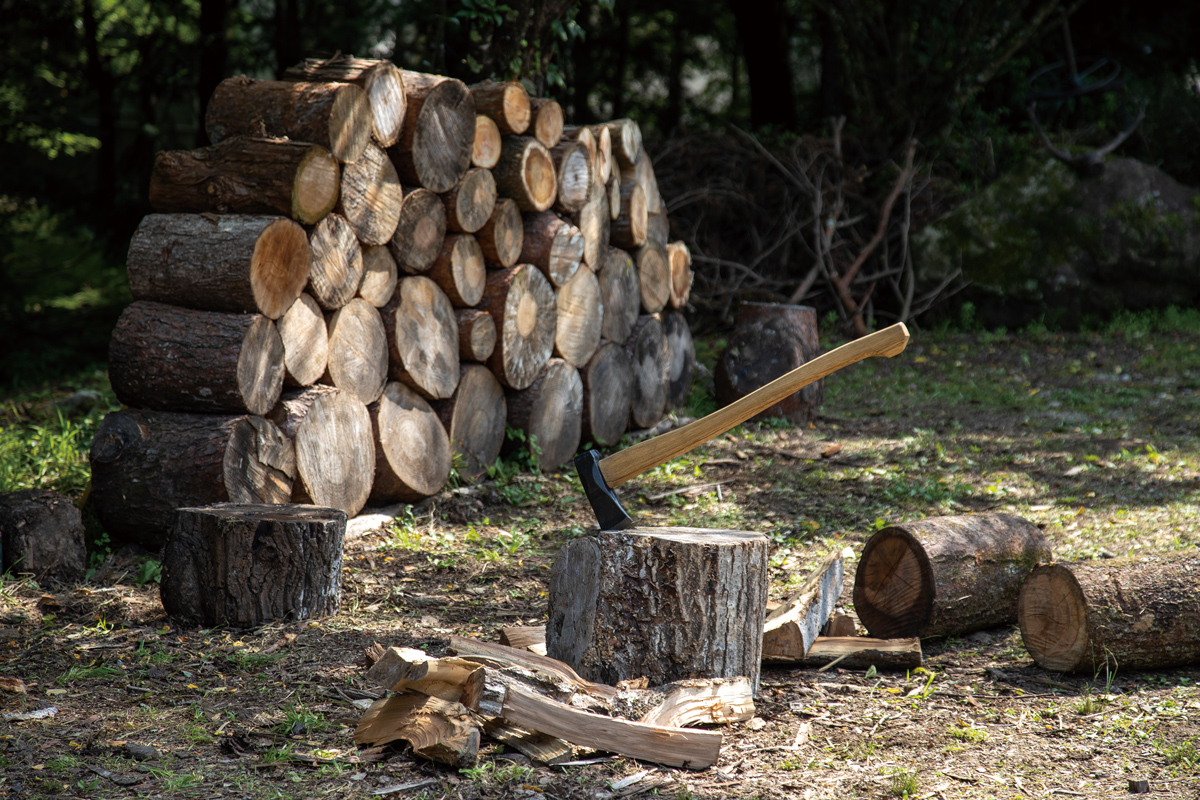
x,y
41,532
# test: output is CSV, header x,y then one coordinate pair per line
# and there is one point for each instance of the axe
x,y
600,475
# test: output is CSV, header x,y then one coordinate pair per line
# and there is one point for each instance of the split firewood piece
x,y
336,116
769,340
605,168
459,269
474,418
305,340
713,701
371,196
647,349
594,223
573,165
470,204
550,411
412,451
380,79
537,747
476,334
613,187
681,273
946,576
422,335
522,304
435,729
505,102
553,245
607,394
232,262
584,136
654,276
435,146
577,332
551,667
620,295
245,565
419,231
358,352
681,358
855,652
666,603
546,120
335,269
525,173
524,637
146,464
379,275
335,448
626,138
642,173
629,229
840,625
176,359
503,235
248,176
406,669
791,629
486,149
1123,614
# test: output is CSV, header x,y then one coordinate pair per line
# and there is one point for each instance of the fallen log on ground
x,y
854,652
42,534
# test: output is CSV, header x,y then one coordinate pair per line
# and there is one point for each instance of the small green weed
x,y
85,673
1184,755
967,734
300,721
489,774
904,784
278,754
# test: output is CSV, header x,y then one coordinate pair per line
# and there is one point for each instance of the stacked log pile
x,y
366,277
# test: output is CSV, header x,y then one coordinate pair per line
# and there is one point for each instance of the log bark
x,y
42,535
371,196
594,223
666,603
620,295
680,259
550,411
419,231
553,245
658,228
647,349
522,304
503,236
234,262
174,359
336,116
654,276
573,165
855,652
459,269
335,448
422,335
546,120
412,451
248,176
245,565
641,172
945,576
146,464
505,102
577,332
769,340
607,394
1122,614
379,275
626,138
474,418
381,80
486,150
305,340
525,173
792,628
358,351
335,270
629,229
681,358
470,204
435,146
476,334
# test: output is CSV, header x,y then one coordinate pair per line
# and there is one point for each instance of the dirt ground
x,y
1093,438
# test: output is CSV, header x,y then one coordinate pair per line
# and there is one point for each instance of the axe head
x,y
607,507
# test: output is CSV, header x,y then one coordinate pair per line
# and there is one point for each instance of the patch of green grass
x,y
1184,756
300,721
492,775
967,734
278,754
904,784
80,672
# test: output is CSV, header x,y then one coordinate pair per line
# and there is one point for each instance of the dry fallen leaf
x,y
831,451
15,685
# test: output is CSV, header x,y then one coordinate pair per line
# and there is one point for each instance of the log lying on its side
x,y
486,150
474,417
380,79
546,120
626,138
791,629
335,269
681,358
470,204
305,340
1124,614
419,231
358,351
855,652
629,229
380,274
605,167
654,276
371,196
647,349
550,411
435,146
613,188
525,173
607,394
503,235
422,335
412,451
459,269
583,135
680,259
594,223
619,295
553,245
505,102
573,164
577,332
658,229
476,334
642,173
522,304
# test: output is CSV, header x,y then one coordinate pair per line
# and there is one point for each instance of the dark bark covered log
x,y
486,150
235,262
422,335
607,394
246,565
550,411
654,276
459,269
553,245
435,146
42,534
412,451
305,340
371,196
503,235
577,332
641,172
175,359
470,204
146,464
681,358
419,231
546,120
336,116
525,173
1125,614
248,176
629,229
335,269
476,334
658,228
594,223
680,259
573,165
619,295
474,417
666,603
522,304
770,340
647,348
358,351
945,576
379,275
626,137
505,102
381,80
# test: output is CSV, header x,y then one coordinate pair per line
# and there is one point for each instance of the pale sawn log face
x,y
680,259
594,223
525,172
371,196
412,449
335,452
620,296
435,147
577,332
423,332
654,278
336,268
550,411
459,269
470,204
607,394
380,275
647,349
547,121
681,358
419,231
503,236
522,303
476,334
305,340
486,149
358,351
380,79
475,418
505,102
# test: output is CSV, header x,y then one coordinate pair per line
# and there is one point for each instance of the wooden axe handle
x,y
633,461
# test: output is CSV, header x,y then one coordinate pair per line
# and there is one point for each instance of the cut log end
x,y
423,338
379,275
547,121
419,231
412,456
475,420
317,186
502,237
1054,618
358,350
336,265
894,574
486,149
305,341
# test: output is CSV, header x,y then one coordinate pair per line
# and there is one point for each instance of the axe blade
x,y
610,514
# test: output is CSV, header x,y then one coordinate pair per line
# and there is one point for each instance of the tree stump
x,y
1126,613
247,565
666,603
412,451
770,340
503,235
419,231
945,576
381,80
607,394
553,245
305,340
422,338
335,270
371,196
681,358
550,411
522,305
474,418
620,295
647,348
439,132
577,332
470,204
41,533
